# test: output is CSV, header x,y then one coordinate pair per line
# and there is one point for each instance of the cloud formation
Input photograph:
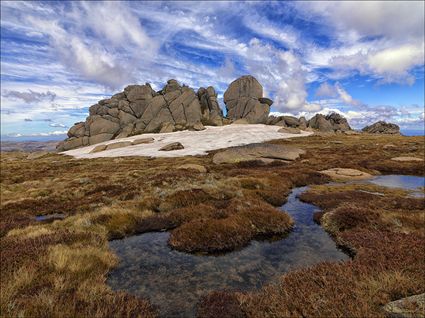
x,y
30,96
86,51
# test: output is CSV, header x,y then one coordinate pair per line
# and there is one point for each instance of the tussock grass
x,y
59,269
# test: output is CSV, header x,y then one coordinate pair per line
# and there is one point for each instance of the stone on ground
x,y
172,146
254,152
408,307
98,148
346,174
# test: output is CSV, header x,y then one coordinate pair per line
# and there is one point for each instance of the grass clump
x,y
229,228
59,269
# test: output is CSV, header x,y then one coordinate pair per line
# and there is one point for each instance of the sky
x,y
364,60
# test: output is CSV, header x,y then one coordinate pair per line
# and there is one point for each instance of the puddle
x,y
50,217
401,181
174,281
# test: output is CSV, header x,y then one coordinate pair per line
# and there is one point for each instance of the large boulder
x,y
382,127
242,99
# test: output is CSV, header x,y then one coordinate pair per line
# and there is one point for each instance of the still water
x,y
174,281
400,181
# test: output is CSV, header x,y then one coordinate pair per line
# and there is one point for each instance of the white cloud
x,y
336,91
390,64
393,19
30,96
326,90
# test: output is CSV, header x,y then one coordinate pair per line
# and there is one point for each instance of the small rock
x,y
289,130
83,180
389,146
409,307
407,159
172,146
265,100
120,144
190,166
98,148
337,142
198,126
142,141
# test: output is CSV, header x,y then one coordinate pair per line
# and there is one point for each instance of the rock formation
x,y
244,99
139,109
329,123
381,127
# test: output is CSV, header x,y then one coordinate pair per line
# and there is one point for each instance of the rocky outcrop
x,y
244,99
330,123
381,127
211,111
139,109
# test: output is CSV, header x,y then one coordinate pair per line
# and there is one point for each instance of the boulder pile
x,y
382,127
139,109
329,123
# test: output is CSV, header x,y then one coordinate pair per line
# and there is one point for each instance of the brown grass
x,y
388,264
59,269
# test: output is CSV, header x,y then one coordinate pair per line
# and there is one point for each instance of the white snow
x,y
194,142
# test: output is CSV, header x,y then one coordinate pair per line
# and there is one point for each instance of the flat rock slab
x,y
264,152
346,174
119,144
195,142
409,307
407,159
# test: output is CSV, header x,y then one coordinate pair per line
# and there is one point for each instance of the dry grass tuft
x,y
59,269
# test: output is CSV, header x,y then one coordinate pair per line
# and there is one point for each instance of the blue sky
x,y
362,59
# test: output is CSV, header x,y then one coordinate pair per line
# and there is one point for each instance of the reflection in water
x,y
174,281
400,181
